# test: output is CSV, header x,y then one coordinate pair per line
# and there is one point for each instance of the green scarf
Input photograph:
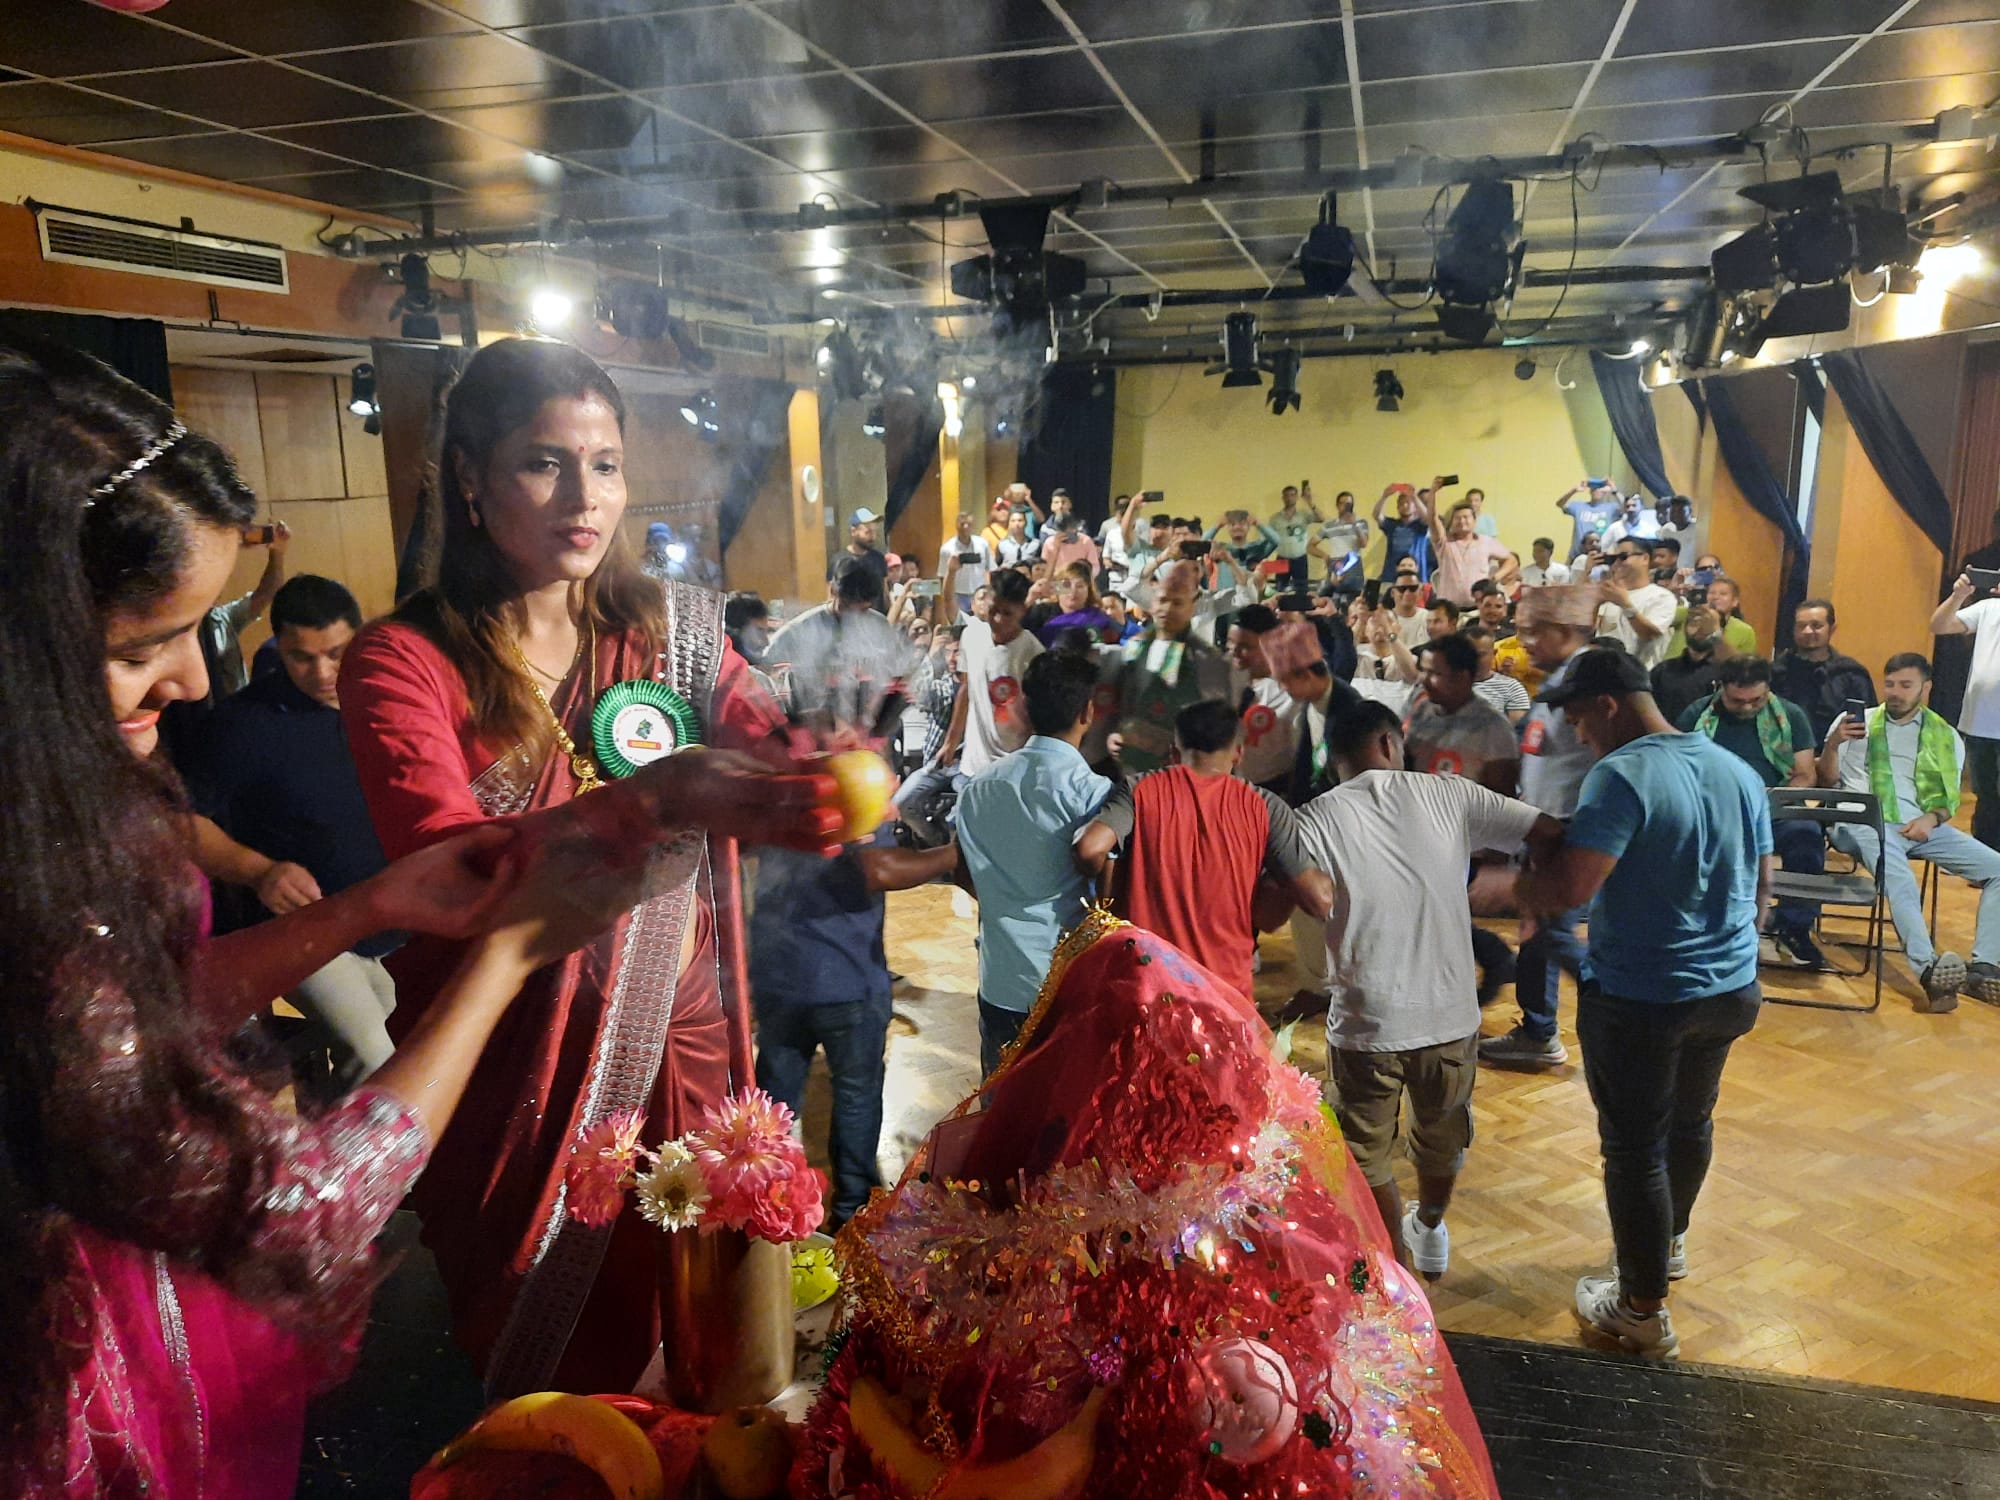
x,y
1937,766
1774,731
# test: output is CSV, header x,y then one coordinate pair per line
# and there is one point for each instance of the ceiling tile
x,y
1109,20
568,127
1208,70
782,106
836,149
229,158
968,90
1675,25
404,140
1475,96
1676,120
1894,103
553,12
245,94
349,187
449,72
70,39
1695,75
867,33
1474,38
691,47
1941,12
1934,52
72,117
272,28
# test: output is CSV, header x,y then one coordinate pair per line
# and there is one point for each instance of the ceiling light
x,y
550,308
1388,391
1639,347
361,394
1952,262
823,357
1240,364
970,383
1284,390
703,415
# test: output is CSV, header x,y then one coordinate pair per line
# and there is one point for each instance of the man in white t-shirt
x,y
1544,570
1637,612
989,721
1404,1019
969,575
1636,521
1913,759
1979,716
1270,714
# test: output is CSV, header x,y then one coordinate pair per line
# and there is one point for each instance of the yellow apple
x,y
865,785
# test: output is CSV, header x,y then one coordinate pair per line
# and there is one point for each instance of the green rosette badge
x,y
637,723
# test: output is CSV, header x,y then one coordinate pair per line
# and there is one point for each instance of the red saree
x,y
539,1300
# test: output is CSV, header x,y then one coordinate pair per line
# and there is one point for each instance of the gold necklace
x,y
581,766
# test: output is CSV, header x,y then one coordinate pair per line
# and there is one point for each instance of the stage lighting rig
x,y
1326,255
417,308
1388,391
1240,364
1478,259
1019,280
1284,390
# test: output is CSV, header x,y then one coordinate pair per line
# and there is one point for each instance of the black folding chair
x,y
1831,808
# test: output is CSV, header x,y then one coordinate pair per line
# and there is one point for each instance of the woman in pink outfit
x,y
186,1262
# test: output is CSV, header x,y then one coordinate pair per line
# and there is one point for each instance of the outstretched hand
x,y
451,889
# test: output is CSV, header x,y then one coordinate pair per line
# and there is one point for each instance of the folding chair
x,y
1830,809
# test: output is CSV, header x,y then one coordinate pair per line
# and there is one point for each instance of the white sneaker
x,y
1601,1310
1429,1245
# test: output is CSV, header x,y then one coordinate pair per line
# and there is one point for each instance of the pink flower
x,y
1295,1098
602,1168
744,1142
789,1207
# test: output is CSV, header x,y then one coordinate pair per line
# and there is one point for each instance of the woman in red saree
x,y
185,1261
473,703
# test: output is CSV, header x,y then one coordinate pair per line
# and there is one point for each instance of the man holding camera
x,y
965,559
1294,522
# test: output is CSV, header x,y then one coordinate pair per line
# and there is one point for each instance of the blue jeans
x,y
917,797
1801,850
1951,851
1654,1073
1538,967
854,1035
997,1027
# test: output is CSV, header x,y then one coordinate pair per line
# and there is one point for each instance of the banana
x,y
1054,1469
594,1434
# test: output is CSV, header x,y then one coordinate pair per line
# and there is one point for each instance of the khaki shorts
x,y
1371,1087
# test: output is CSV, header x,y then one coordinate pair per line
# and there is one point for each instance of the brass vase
x,y
725,1319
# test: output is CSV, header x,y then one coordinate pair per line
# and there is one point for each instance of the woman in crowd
x,y
185,1261
474,702
1077,608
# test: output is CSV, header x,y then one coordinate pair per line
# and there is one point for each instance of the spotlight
x,y
550,307
1326,255
361,394
1818,234
1476,259
1524,369
1284,390
703,415
1639,347
1019,280
634,311
418,306
1388,391
677,552
875,424
970,383
841,363
1240,364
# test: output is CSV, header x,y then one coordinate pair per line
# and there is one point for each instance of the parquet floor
x,y
1850,1228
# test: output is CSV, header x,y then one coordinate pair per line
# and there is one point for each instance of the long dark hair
x,y
112,1111
469,604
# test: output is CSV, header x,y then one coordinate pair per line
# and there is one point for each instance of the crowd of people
x,y
389,823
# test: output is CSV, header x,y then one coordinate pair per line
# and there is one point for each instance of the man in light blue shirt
x,y
1670,843
1018,822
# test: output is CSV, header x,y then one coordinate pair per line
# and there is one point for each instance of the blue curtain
x,y
1807,374
1067,442
1763,489
926,424
1631,408
1890,445
765,405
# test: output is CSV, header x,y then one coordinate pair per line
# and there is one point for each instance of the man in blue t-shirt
x,y
819,980
1671,845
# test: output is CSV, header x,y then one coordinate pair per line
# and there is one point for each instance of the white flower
x,y
671,1191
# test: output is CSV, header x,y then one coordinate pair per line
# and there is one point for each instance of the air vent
x,y
81,239
732,339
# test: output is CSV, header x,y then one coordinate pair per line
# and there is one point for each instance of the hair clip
x,y
160,445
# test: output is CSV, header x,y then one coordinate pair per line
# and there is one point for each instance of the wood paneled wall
x,y
297,445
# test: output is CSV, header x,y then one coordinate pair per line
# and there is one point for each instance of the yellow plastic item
x,y
596,1435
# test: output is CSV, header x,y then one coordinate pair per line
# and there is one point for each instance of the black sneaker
x,y
1802,947
1942,979
1982,982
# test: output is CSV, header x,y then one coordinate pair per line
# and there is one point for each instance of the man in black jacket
x,y
1691,676
1814,675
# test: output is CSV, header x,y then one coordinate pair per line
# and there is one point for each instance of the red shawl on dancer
x,y
491,1200
1146,1266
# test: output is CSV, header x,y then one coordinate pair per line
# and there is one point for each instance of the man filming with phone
x,y
965,558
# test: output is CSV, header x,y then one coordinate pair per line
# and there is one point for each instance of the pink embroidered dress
x,y
184,1387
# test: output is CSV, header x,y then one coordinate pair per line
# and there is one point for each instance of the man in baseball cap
x,y
1670,844
861,545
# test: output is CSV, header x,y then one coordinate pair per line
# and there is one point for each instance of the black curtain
x,y
1630,406
765,405
1763,489
1890,445
135,347
1068,444
926,423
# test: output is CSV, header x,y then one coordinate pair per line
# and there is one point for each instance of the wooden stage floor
x,y
1850,1229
